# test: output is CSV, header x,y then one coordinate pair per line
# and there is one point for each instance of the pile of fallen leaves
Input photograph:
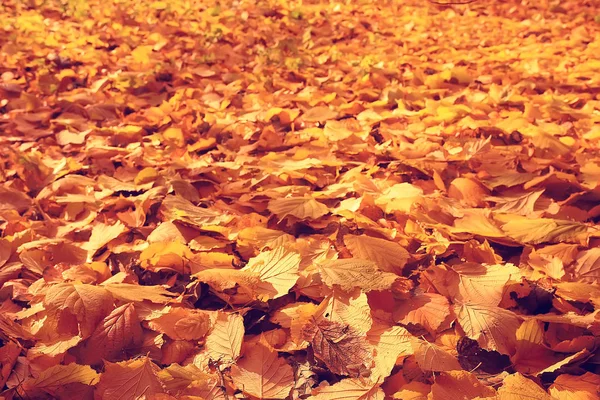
x,y
299,199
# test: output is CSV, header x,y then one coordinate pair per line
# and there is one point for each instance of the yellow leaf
x,y
224,342
182,324
146,175
494,328
518,387
389,342
350,309
587,266
277,270
540,230
101,235
88,303
531,355
141,54
117,332
299,207
170,256
481,284
431,357
344,350
399,197
174,136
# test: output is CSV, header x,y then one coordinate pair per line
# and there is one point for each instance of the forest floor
x,y
299,199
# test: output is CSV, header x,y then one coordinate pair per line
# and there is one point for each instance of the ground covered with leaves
x,y
291,200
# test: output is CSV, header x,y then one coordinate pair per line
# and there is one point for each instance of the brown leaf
x,y
119,331
339,346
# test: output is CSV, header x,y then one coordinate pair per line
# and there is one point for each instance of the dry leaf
x,y
353,272
119,331
493,327
516,387
344,350
262,373
350,388
130,380
459,385
388,256
299,207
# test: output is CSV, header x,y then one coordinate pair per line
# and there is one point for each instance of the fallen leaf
x,y
262,373
130,380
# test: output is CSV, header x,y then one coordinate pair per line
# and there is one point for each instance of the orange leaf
x,y
459,385
570,387
388,256
54,378
353,273
518,387
431,357
119,331
88,303
130,380
493,327
262,373
299,207
429,310
182,323
350,388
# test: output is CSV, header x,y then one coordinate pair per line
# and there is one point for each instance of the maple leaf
x,y
130,380
339,346
262,373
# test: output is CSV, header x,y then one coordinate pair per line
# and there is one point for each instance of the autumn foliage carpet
x,y
275,199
